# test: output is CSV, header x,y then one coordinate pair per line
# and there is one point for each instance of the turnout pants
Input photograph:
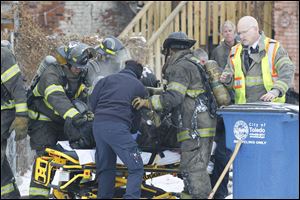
x,y
9,189
195,155
42,134
114,139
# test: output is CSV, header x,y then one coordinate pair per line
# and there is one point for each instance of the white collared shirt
x,y
254,45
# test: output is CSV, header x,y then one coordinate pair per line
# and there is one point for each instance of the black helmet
x,y
78,54
109,46
178,40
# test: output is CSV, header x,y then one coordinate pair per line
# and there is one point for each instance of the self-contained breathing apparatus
x,y
204,102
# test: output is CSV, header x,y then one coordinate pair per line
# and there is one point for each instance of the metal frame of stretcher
x,y
80,180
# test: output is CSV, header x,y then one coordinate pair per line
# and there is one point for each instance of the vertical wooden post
x,y
196,23
203,23
190,19
215,15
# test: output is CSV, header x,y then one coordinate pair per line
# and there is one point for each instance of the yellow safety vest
x,y
269,73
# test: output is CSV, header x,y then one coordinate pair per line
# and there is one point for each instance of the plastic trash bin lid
x,y
261,107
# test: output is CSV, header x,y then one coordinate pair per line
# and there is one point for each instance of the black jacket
x,y
112,96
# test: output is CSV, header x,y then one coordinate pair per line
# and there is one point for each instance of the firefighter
x,y
111,54
51,103
115,121
189,98
13,116
258,69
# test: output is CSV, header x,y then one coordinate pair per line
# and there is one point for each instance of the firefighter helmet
x,y
178,40
110,46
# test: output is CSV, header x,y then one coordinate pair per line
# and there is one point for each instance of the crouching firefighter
x,y
190,99
57,84
13,116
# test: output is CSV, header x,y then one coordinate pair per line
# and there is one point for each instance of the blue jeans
x,y
112,140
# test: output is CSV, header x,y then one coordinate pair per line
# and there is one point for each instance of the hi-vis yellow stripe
x,y
70,113
8,105
7,189
53,88
8,74
21,107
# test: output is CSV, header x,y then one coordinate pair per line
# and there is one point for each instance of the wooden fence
x,y
201,20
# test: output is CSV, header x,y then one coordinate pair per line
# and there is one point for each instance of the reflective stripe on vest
x,y
204,132
9,73
269,73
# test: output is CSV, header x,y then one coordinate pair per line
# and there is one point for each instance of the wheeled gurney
x,y
72,173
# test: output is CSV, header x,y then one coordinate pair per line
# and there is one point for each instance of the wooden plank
x,y
223,16
240,10
248,3
150,57
167,22
150,23
196,23
233,11
215,22
157,59
156,15
202,22
183,19
168,12
209,10
177,24
267,27
135,20
190,19
143,26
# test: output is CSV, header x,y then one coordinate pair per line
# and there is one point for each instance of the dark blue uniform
x,y
115,120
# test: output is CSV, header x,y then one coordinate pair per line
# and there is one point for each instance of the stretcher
x,y
72,173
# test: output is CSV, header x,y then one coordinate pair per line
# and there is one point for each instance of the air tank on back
x,y
219,90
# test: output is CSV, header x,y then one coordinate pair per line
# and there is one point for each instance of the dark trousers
x,y
112,140
222,156
9,189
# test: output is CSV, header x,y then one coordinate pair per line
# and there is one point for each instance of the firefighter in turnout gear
x,y
111,56
258,68
13,116
189,98
50,103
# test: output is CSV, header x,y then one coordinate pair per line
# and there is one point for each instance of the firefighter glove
x,y
79,120
90,115
20,124
138,103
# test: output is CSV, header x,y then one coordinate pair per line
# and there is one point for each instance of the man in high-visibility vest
x,y
13,116
258,68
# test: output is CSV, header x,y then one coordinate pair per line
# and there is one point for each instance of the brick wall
x,y
81,17
286,27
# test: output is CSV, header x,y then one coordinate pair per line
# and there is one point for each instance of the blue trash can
x,y
267,165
